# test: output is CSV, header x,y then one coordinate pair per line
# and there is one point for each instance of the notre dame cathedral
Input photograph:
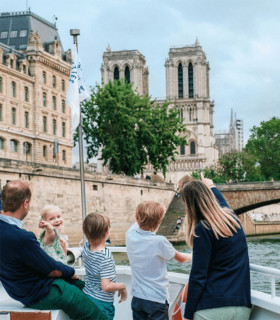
x,y
187,88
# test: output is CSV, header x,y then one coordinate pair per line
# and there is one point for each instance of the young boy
x,y
148,254
50,239
100,281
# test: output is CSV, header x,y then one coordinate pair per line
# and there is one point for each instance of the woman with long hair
x,y
219,282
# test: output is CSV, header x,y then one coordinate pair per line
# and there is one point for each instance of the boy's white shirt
x,y
148,254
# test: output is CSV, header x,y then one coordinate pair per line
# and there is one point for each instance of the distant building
x,y
187,89
232,139
35,122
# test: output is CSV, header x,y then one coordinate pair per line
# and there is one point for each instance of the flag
x,y
77,91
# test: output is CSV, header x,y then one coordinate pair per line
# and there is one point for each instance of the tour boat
x,y
265,306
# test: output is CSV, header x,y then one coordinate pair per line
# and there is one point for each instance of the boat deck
x,y
265,306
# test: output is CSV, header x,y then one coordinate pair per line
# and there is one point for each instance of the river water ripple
x,y
264,252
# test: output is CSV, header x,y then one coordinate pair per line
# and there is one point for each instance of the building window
x,y
13,89
44,151
1,84
22,33
54,127
26,94
182,149
26,148
44,77
190,74
13,115
116,73
26,119
1,112
63,106
63,85
63,129
1,144
13,34
12,63
180,81
13,146
53,81
45,124
127,74
24,69
4,35
44,99
192,147
63,155
54,102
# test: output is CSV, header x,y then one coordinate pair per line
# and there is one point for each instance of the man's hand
x,y
75,277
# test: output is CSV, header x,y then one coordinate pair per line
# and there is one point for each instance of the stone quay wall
x,y
116,196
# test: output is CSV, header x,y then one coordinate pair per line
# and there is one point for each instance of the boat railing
x,y
74,258
272,273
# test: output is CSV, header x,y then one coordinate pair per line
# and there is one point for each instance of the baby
x,y
50,239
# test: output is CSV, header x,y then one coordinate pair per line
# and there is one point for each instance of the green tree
x,y
264,146
230,166
130,129
251,167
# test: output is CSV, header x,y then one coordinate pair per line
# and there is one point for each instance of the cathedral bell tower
x,y
128,64
187,89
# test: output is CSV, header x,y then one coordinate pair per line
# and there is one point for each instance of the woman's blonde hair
x,y
49,208
201,205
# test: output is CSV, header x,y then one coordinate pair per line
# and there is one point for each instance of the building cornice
x,y
33,136
44,59
17,74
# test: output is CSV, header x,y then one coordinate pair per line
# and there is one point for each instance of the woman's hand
x,y
208,182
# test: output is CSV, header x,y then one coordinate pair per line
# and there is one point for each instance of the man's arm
x,y
35,257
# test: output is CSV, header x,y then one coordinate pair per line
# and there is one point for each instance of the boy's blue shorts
x,y
145,309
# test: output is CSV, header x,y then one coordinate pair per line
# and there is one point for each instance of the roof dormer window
x,y
13,34
23,33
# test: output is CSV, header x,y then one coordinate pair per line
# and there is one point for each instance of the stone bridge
x,y
243,197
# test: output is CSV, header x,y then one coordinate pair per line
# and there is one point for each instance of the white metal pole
x,y
75,33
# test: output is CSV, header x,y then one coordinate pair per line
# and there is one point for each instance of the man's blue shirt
x,y
24,266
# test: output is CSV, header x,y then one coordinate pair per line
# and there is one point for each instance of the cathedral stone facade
x,y
128,64
35,122
187,89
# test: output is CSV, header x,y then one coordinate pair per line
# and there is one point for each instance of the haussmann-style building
x,y
35,122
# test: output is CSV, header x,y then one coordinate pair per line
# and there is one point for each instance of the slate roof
x,y
15,28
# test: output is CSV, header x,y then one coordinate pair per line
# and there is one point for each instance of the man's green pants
x,y
71,299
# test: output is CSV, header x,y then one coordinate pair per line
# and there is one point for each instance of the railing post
x,y
273,289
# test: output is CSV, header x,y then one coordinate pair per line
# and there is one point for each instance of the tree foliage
x,y
264,146
258,161
131,130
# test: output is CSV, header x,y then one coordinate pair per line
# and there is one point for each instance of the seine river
x,y
264,252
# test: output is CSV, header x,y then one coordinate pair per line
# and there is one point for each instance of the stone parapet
x,y
116,196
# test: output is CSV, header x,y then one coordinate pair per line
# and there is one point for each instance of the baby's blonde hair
x,y
49,208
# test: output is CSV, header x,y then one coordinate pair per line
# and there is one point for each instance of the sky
x,y
241,40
